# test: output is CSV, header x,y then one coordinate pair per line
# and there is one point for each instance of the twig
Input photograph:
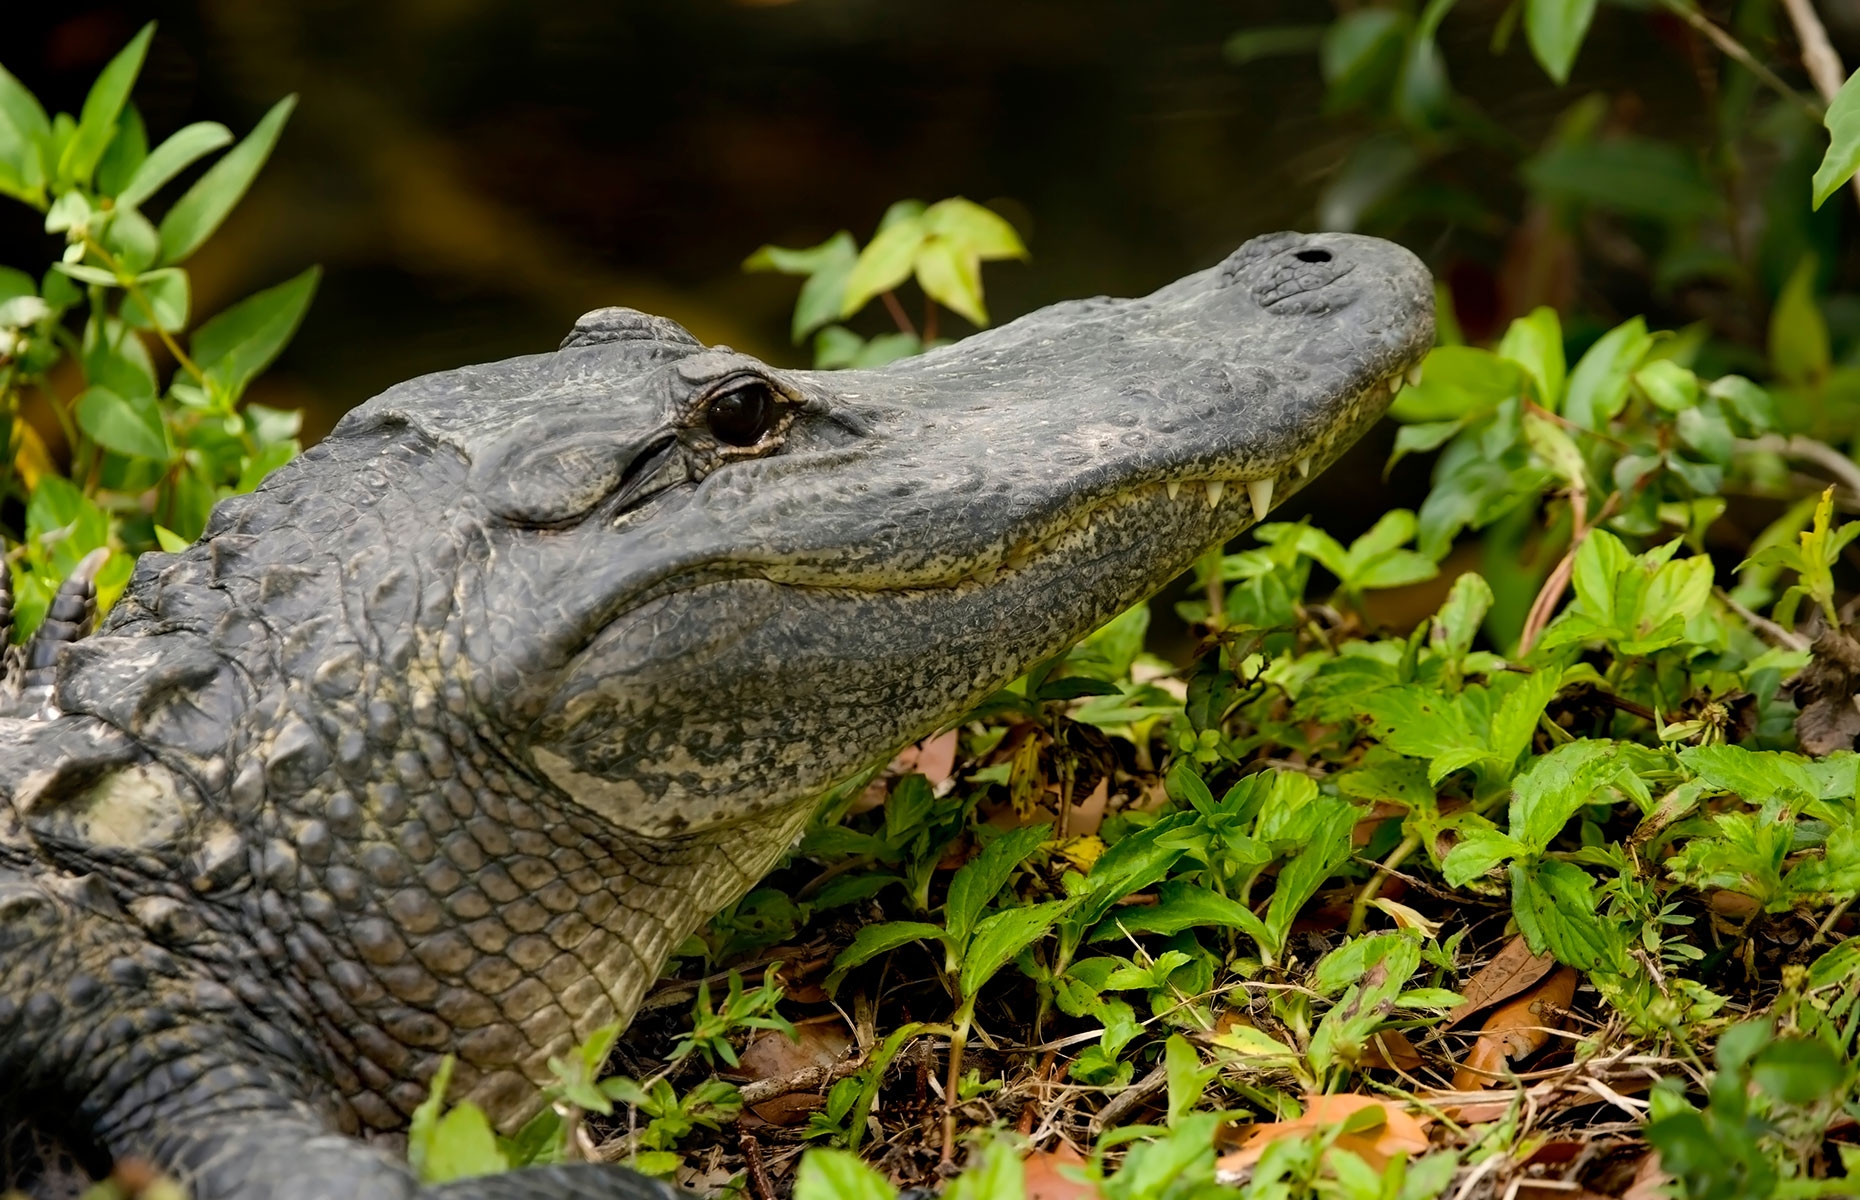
x,y
760,1185
1770,630
903,318
1818,56
1808,450
1126,1101
1734,49
807,1079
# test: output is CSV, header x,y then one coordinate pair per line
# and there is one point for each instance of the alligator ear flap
x,y
554,477
605,325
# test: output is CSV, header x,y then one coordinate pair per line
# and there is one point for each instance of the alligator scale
x,y
444,738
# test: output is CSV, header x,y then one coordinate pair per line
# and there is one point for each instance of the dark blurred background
x,y
475,173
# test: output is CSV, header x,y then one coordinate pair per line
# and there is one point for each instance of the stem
x,y
958,1042
897,313
1216,594
929,320
1818,56
1359,910
1809,450
1735,50
136,293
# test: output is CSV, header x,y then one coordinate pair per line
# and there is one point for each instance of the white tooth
x,y
1173,487
1395,382
1259,491
1414,374
1215,491
1303,467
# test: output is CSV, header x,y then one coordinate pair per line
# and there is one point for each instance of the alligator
x,y
441,741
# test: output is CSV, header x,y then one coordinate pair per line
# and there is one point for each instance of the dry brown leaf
x,y
1388,1048
1046,1180
822,1041
1650,1182
1510,971
1516,1029
1397,1133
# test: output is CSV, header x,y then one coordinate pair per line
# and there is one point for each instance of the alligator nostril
x,y
1312,256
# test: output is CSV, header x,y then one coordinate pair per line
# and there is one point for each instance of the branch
x,y
1735,50
1818,56
1809,450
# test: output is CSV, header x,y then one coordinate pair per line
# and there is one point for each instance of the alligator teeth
x,y
1173,487
1395,382
1215,491
1303,467
1414,374
1016,559
1259,491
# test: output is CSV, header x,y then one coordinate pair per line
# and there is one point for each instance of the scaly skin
x,y
442,740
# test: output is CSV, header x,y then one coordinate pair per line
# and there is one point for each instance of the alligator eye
x,y
743,415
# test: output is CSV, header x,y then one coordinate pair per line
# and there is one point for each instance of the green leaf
x,y
1273,41
1130,865
1843,157
1598,387
169,540
1180,906
133,240
125,426
238,343
1555,29
172,157
124,154
837,1175
1000,936
1535,342
63,524
97,124
1799,350
1360,54
1555,905
984,875
1456,382
1478,851
973,229
874,940
952,277
1671,387
1798,1071
885,263
1636,176
86,274
1754,775
24,135
826,267
426,1116
203,206
462,1147
1555,786
166,292
1516,719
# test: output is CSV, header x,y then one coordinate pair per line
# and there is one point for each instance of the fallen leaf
x,y
1509,972
1387,1132
1389,1049
1516,1029
1053,1175
821,1042
1650,1182
1407,918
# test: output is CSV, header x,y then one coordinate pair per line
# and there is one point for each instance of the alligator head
x,y
720,587
529,667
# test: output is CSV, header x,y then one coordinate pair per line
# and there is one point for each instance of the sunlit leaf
x,y
203,206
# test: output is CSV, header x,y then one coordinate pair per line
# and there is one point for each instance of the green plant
x,y
151,417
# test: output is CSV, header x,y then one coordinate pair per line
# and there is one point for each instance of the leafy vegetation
x,y
102,454
1548,889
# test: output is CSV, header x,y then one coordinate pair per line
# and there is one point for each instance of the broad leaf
x,y
1556,29
237,344
980,878
203,206
128,427
172,157
1843,157
1000,936
97,123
